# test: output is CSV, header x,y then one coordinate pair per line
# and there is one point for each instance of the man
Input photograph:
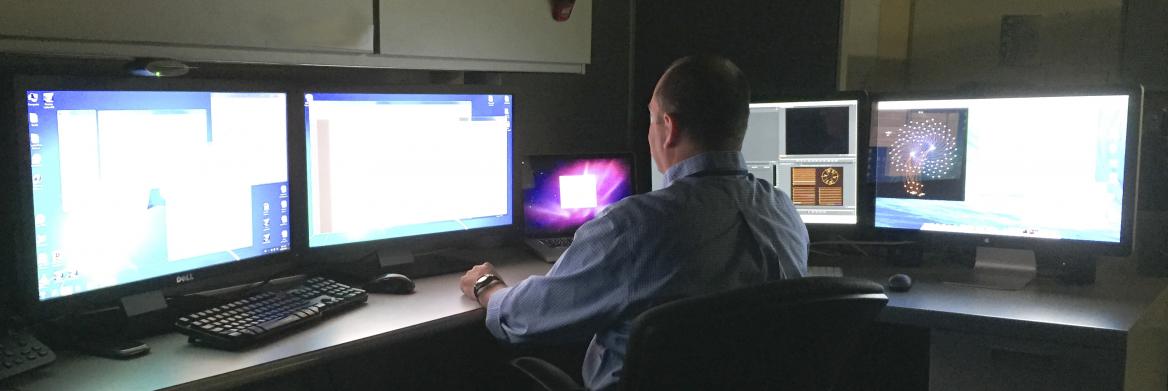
x,y
713,227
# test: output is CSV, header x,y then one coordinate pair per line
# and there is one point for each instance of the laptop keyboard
x,y
556,242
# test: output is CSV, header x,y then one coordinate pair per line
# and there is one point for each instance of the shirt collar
x,y
716,160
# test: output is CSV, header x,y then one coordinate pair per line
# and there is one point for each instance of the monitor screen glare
x,y
132,185
385,166
1040,167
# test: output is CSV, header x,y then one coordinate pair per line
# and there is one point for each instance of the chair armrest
x,y
545,374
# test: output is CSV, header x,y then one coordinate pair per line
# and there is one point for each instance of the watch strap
x,y
483,282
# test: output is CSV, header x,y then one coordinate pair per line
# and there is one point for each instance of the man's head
x,y
701,103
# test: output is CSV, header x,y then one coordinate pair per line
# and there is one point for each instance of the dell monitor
x,y
129,186
1012,174
392,165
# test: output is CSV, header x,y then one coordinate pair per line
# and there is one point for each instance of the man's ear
x,y
672,132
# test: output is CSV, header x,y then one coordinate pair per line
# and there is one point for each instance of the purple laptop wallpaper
x,y
570,191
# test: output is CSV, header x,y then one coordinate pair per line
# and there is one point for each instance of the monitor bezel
x,y
526,162
21,201
864,194
413,244
1040,245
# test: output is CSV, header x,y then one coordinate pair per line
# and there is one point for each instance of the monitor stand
x,y
1001,268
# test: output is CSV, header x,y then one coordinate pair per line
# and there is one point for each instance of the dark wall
x,y
785,47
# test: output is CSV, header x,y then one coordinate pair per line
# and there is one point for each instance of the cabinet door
x,y
499,30
300,25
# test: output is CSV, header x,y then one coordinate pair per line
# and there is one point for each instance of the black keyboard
x,y
262,316
556,242
20,352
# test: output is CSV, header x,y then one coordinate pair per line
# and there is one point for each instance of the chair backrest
x,y
786,335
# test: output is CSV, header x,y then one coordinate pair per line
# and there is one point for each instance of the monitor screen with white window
x,y
384,166
1038,167
133,185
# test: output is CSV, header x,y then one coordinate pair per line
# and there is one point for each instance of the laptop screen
x,y
569,190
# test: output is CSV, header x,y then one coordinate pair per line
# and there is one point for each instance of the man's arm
x,y
584,291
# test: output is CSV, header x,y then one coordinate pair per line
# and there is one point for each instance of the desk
x,y
1088,330
1089,319
173,363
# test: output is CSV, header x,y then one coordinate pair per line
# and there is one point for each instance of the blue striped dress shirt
x,y
713,227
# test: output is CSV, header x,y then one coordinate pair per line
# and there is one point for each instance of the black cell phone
x,y
114,348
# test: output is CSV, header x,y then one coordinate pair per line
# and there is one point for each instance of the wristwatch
x,y
483,282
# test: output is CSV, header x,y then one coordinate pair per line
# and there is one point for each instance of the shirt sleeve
x,y
579,296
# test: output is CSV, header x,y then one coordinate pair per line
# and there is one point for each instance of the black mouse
x,y
391,283
899,283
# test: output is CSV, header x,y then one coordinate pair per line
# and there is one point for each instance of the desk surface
x,y
1097,315
173,362
1093,315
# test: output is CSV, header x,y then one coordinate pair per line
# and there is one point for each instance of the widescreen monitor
x,y
1054,169
128,185
383,166
810,150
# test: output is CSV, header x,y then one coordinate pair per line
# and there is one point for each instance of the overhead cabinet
x,y
497,35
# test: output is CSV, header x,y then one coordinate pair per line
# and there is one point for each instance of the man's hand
x,y
466,283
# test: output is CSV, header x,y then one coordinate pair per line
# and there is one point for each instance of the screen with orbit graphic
x,y
1003,166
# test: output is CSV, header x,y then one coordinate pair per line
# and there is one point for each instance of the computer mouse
x,y
391,283
899,283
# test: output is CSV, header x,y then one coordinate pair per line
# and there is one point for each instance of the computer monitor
x,y
1048,172
810,149
136,187
392,165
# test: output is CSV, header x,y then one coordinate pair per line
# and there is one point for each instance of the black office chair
x,y
791,335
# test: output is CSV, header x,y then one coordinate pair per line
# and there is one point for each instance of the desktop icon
x,y
267,238
58,258
44,282
33,118
33,97
36,159
284,205
40,220
267,222
36,180
507,99
42,239
491,100
283,189
284,236
284,220
49,97
34,139
267,207
42,259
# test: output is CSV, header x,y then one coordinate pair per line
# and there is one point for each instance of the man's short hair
x,y
709,99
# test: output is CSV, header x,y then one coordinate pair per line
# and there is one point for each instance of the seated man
x,y
713,227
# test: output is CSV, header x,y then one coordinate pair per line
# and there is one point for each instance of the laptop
x,y
568,191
